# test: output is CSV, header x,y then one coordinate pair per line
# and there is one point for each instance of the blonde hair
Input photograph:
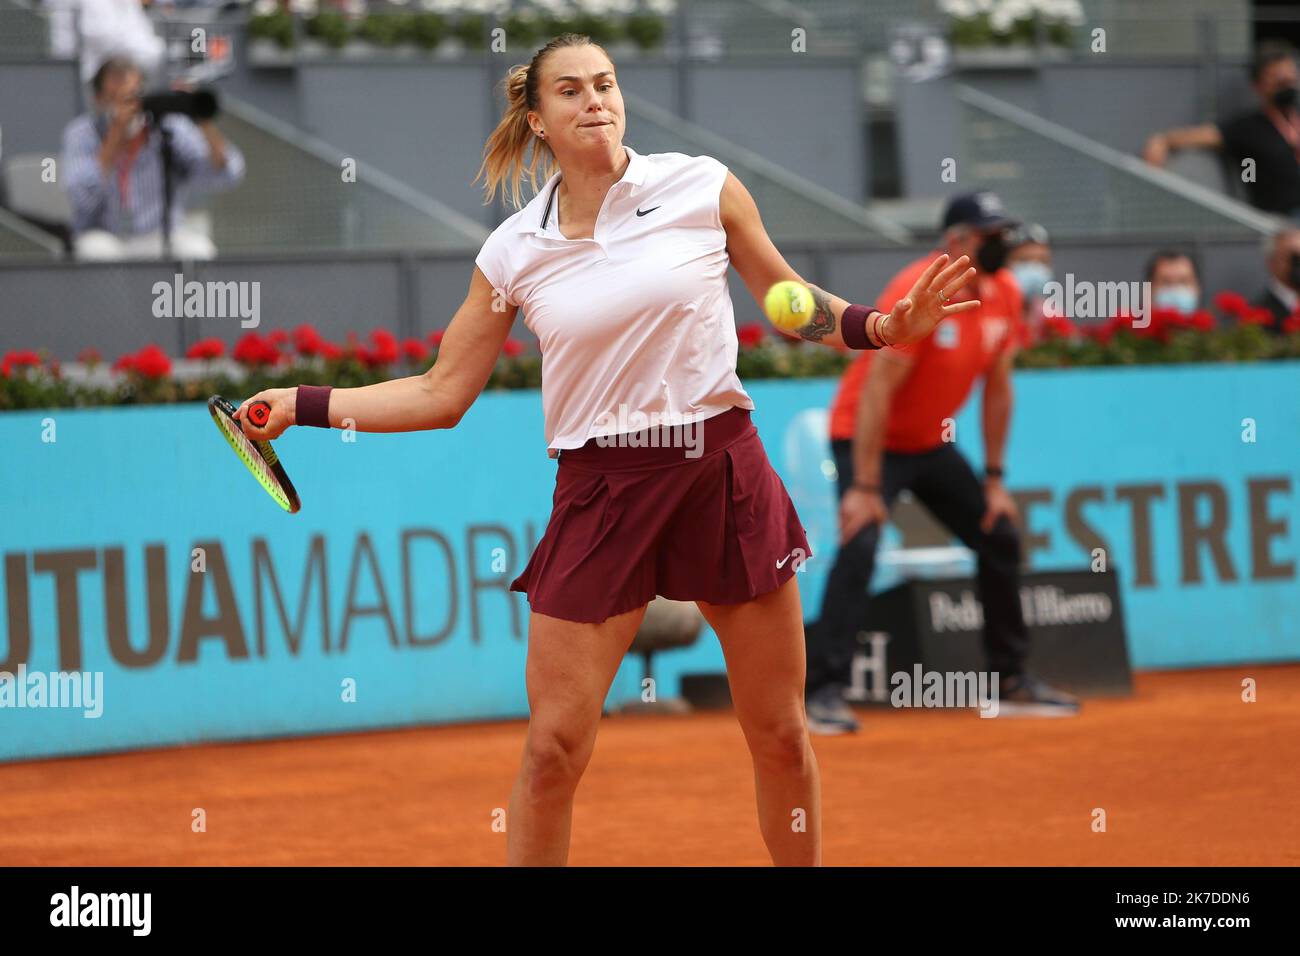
x,y
504,166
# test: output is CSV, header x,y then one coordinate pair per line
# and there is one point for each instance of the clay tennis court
x,y
1187,773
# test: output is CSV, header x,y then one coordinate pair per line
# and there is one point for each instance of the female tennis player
x,y
620,265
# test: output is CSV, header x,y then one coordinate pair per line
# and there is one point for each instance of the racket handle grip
x,y
259,413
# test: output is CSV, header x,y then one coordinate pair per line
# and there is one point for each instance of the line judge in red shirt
x,y
891,429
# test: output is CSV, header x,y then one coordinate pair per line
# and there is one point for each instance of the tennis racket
x,y
258,456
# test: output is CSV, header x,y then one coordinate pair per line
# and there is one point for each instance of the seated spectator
x,y
1029,257
1269,135
112,162
1175,281
1281,296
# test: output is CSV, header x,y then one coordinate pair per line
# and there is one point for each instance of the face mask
x,y
1032,277
1286,98
1179,298
992,254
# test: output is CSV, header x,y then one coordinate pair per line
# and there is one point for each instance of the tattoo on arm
x,y
822,322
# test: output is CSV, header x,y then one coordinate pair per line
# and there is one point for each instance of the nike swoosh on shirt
x,y
780,564
640,212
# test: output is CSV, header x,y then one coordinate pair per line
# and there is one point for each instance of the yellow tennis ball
x,y
788,304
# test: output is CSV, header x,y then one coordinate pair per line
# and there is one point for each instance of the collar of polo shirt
x,y
634,175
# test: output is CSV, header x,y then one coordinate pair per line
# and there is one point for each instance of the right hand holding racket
x,y
283,402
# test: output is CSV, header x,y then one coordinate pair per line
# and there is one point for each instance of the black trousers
x,y
942,480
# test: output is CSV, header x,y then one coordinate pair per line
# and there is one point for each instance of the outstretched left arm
x,y
761,266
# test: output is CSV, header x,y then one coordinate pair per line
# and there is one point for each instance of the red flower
x,y
1291,324
90,356
751,335
306,340
435,338
1230,303
352,349
1104,332
125,364
385,351
1256,316
252,349
278,337
1059,327
206,349
18,359
415,351
152,362
329,351
1202,321
511,347
1160,323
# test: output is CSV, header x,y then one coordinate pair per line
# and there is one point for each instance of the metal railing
x,y
19,239
793,208
1078,187
722,28
1156,29
295,195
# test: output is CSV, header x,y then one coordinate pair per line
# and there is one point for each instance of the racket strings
x,y
253,460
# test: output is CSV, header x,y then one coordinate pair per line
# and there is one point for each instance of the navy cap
x,y
982,210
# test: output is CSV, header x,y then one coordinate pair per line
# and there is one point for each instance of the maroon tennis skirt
x,y
633,520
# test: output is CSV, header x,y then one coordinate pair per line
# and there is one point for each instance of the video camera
x,y
200,104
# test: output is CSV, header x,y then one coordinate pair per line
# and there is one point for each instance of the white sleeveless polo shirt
x,y
637,319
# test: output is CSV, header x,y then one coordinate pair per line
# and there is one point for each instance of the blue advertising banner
x,y
151,594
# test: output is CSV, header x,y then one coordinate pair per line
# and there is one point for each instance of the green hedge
x,y
29,380
524,29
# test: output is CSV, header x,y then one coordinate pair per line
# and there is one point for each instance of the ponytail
x,y
504,166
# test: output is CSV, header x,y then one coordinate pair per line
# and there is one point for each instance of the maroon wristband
x,y
313,405
853,327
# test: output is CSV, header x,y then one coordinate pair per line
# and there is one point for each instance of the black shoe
x,y
828,713
1026,696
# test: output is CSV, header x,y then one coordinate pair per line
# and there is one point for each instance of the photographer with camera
x,y
115,168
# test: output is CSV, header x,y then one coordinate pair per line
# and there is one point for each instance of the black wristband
x,y
853,327
873,489
312,405
993,471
